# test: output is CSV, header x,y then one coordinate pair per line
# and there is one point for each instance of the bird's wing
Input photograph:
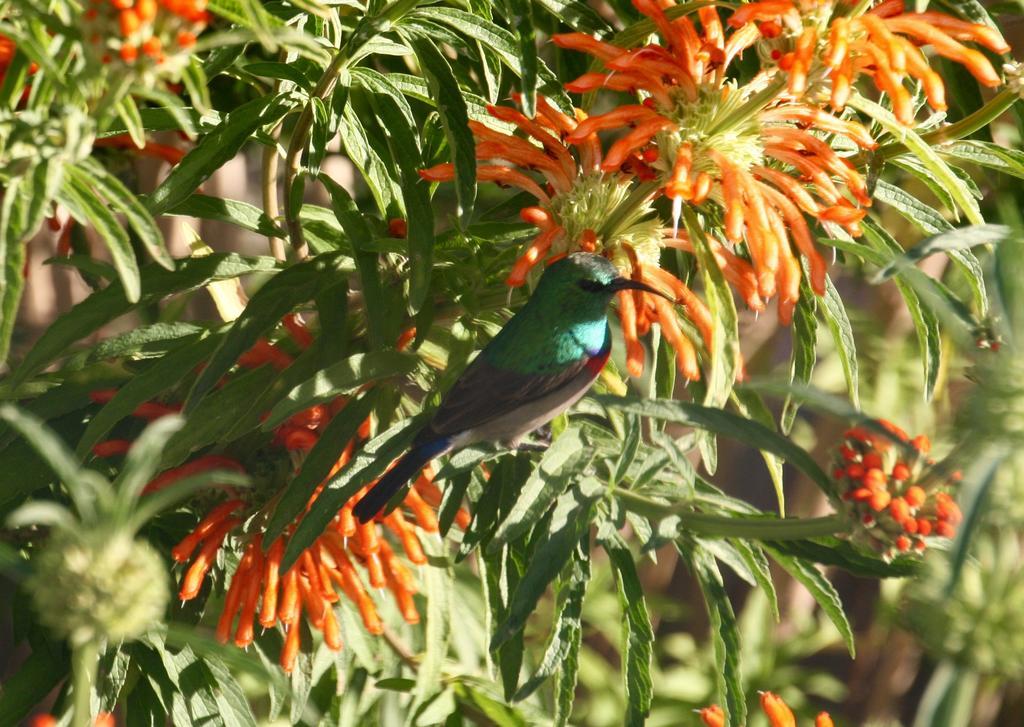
x,y
486,392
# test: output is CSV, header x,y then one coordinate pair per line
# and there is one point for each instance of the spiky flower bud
x,y
981,623
93,585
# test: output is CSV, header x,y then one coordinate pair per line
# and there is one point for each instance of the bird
x,y
541,362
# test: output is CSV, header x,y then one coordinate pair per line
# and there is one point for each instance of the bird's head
x,y
586,281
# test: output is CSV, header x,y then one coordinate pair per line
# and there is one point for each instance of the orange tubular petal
x,y
962,30
533,254
348,579
626,145
679,181
538,217
823,720
271,581
778,713
397,523
288,610
622,116
240,586
696,311
887,8
789,285
917,66
686,354
183,550
531,127
885,40
194,576
712,24
292,643
761,11
244,633
731,198
332,631
425,516
627,318
944,45
587,44
313,602
801,234
440,173
823,120
838,42
512,178
825,188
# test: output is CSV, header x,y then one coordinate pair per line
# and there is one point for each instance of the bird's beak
x,y
627,284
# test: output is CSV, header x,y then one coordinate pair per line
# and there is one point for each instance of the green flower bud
x,y
93,585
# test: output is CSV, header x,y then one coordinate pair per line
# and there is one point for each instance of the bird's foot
x,y
543,434
531,446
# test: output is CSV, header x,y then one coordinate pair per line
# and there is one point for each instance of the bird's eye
x,y
591,286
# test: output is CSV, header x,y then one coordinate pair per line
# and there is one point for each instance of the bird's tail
x,y
393,480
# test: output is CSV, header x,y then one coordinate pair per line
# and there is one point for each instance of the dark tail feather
x,y
393,480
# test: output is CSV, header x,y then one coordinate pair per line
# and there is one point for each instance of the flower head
x,y
147,36
896,501
585,204
753,161
775,709
343,561
823,51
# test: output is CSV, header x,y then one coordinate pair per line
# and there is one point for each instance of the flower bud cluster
x,y
883,487
144,35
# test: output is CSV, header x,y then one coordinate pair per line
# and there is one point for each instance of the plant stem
x,y
964,127
85,660
735,527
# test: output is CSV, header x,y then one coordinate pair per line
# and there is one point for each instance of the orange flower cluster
x,y
884,43
157,33
778,712
759,170
889,496
346,556
576,200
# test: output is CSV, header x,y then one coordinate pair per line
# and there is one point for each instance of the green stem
x,y
735,527
363,33
966,126
85,661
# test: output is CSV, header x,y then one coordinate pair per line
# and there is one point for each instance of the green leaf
x,y
986,154
521,18
278,296
454,115
341,378
805,342
562,651
570,519
925,153
724,423
91,174
754,558
925,218
963,238
366,466
439,583
577,15
725,636
104,306
143,459
12,257
637,634
41,672
233,212
838,322
222,412
88,209
822,590
832,551
564,460
154,380
416,195
216,148
358,232
318,463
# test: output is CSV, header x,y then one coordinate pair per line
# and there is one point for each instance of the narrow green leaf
x,y
822,590
571,518
562,461
439,583
725,636
318,463
12,258
87,209
454,115
216,148
292,286
838,322
959,239
233,212
637,634
724,423
104,306
341,378
150,383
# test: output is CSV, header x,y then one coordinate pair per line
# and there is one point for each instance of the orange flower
x,y
778,712
348,558
896,502
809,40
144,33
759,170
583,204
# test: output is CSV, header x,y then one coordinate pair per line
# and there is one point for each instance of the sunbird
x,y
541,362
